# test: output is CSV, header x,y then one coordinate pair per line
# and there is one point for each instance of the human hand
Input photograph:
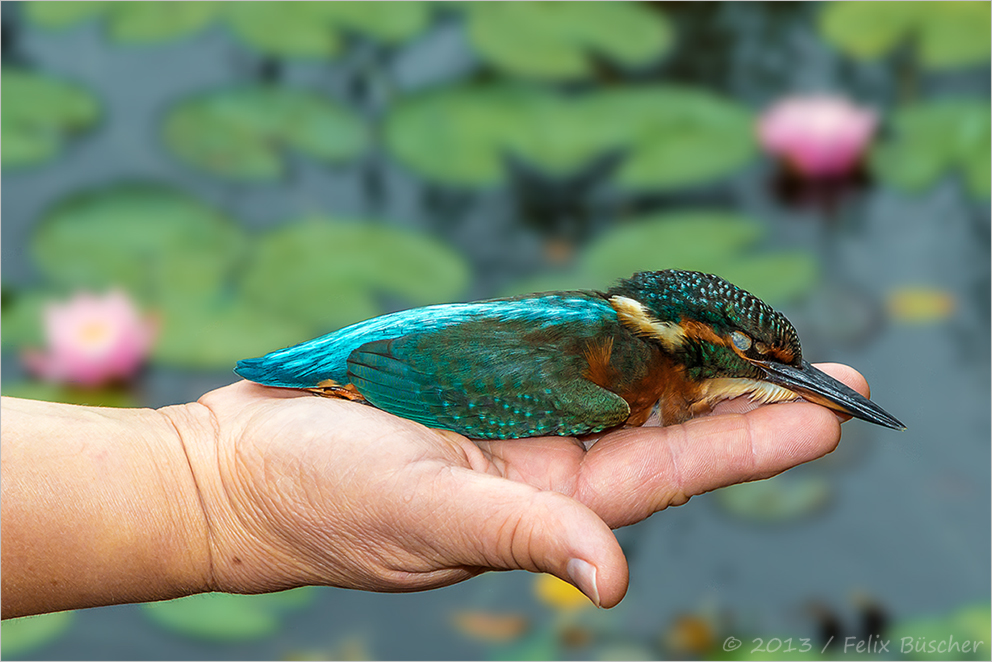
x,y
303,490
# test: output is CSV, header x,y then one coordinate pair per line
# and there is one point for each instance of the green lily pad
x,y
22,318
102,397
243,133
774,277
62,13
223,617
460,135
695,240
151,21
933,138
558,40
677,136
218,334
953,636
315,29
328,273
705,240
128,22
148,239
779,499
40,114
671,136
946,34
22,635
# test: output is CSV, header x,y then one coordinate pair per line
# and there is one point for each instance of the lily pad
x,y
933,138
705,240
244,133
946,34
151,21
218,334
316,29
22,318
953,636
151,240
328,273
62,13
671,136
677,136
223,617
22,635
128,22
559,40
39,114
695,240
107,397
779,499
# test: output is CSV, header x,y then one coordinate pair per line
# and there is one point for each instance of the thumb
x,y
501,524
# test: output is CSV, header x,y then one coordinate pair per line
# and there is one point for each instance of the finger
x,y
637,472
502,524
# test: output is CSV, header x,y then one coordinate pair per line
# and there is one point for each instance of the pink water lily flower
x,y
818,136
92,340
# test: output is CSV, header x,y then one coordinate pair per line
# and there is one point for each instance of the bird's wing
x,y
486,381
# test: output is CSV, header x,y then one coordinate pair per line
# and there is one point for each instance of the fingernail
x,y
583,575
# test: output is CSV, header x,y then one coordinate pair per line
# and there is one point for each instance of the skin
x,y
254,489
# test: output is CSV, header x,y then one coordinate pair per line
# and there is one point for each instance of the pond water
x,y
892,526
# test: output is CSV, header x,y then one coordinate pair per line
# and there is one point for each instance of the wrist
x,y
99,507
242,552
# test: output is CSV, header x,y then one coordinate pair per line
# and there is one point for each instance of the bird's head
x,y
731,342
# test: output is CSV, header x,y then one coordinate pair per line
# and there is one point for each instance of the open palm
x,y
305,490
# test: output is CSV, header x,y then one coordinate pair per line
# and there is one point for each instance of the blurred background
x,y
187,184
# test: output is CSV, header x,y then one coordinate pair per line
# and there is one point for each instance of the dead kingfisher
x,y
567,363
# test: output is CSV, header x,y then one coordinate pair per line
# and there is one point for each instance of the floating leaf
x,y
314,29
103,397
920,305
148,239
696,240
60,14
223,617
216,335
22,318
774,277
947,34
22,635
935,137
777,499
670,136
389,22
128,22
284,29
243,133
676,136
709,241
39,114
963,634
151,21
559,40
328,273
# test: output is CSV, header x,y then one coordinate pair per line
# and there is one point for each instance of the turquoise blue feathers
x,y
566,363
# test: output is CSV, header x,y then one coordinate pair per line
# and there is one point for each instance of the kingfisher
x,y
567,363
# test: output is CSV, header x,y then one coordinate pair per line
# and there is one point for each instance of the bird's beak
x,y
819,387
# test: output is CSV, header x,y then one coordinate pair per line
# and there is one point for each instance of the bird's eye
x,y
741,341
761,348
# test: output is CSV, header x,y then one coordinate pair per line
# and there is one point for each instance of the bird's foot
x,y
331,389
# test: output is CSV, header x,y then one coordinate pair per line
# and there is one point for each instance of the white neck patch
x,y
636,317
